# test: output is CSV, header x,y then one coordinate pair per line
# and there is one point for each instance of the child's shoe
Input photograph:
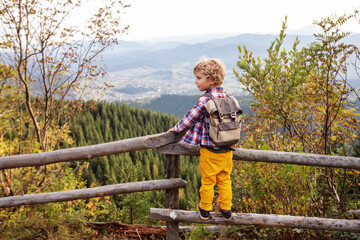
x,y
203,213
226,214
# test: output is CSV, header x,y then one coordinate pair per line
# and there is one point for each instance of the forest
x,y
299,103
169,104
111,122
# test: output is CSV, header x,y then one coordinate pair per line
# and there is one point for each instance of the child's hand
x,y
171,130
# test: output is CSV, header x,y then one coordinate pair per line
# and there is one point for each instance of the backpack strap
x,y
233,108
207,94
221,114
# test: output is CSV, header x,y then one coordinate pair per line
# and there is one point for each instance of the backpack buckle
x,y
221,115
233,114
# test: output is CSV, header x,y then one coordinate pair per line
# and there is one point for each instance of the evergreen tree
x,y
112,122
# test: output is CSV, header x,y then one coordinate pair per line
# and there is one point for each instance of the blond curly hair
x,y
213,69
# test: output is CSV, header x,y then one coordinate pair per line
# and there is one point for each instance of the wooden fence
x,y
166,144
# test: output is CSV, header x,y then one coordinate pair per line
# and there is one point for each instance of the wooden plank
x,y
272,156
172,195
121,188
263,220
88,152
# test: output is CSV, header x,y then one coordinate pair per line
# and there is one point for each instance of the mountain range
x,y
148,69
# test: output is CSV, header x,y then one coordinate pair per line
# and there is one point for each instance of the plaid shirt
x,y
197,120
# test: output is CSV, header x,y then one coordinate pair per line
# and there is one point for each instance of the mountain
x,y
166,54
143,70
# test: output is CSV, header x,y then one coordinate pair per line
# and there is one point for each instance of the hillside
x,y
178,105
110,122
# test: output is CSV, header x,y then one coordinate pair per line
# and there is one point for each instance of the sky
x,y
149,19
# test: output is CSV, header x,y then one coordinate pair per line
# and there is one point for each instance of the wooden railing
x,y
166,144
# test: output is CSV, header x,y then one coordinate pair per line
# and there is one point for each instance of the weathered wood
x,y
172,171
271,156
297,158
264,220
88,152
120,188
172,195
180,149
172,166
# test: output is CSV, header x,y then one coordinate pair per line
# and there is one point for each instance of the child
x,y
215,163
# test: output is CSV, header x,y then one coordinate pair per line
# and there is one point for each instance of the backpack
x,y
225,123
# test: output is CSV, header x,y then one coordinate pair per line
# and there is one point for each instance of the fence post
x,y
172,195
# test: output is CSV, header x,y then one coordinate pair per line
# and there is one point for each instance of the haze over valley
x,y
142,70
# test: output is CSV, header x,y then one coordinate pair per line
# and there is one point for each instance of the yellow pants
x,y
215,168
